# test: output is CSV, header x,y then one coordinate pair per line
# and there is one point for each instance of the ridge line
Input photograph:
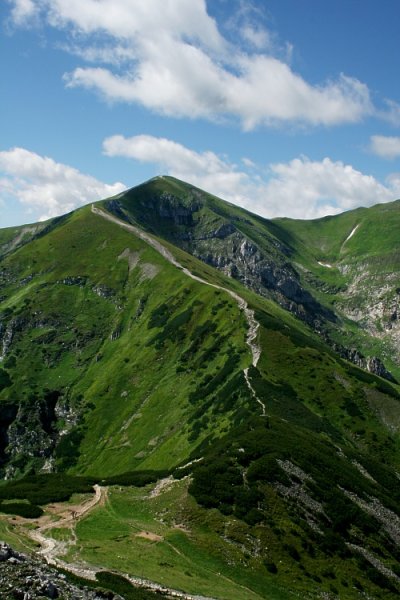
x,y
253,324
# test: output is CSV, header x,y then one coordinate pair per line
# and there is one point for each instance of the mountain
x,y
353,260
189,359
338,274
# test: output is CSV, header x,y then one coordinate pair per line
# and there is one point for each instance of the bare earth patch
x,y
147,535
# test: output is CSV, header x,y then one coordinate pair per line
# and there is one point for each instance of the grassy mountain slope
x,y
240,244
352,260
341,283
115,360
86,334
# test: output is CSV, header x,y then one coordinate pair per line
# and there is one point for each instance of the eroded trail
x,y
52,549
253,325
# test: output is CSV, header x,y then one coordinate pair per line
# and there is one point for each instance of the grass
x,y
83,359
118,371
174,557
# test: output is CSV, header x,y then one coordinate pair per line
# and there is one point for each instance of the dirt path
x,y
253,325
253,392
51,548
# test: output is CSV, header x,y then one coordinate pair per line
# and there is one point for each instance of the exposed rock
x,y
219,242
25,578
6,336
79,281
27,437
297,491
388,519
103,291
116,334
379,566
372,363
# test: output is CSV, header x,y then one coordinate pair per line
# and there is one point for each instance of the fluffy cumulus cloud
x,y
206,170
47,188
310,189
300,188
171,57
385,146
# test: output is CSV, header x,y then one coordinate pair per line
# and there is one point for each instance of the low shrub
x,y
22,509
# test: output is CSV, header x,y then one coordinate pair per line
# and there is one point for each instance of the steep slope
x,y
353,261
235,241
87,326
121,352
12,238
288,261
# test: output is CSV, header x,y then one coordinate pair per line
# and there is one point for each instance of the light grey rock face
x,y
219,241
242,259
373,364
25,578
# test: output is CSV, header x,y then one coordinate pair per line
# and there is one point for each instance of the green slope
x,y
109,330
351,261
343,284
115,360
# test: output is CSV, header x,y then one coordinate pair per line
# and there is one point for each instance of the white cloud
x,y
300,188
206,170
176,62
310,189
258,37
23,11
47,188
392,113
385,146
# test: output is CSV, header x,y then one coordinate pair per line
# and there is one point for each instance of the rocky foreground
x,y
24,578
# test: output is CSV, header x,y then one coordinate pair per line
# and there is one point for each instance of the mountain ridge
x,y
256,457
267,260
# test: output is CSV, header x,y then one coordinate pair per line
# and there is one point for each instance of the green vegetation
x,y
121,370
122,586
43,489
23,509
110,582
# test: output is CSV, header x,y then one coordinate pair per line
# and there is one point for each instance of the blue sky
x,y
287,108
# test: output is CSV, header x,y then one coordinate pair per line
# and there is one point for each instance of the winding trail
x,y
253,325
52,549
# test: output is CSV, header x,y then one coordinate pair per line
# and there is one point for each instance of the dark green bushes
x,y
174,329
210,384
5,379
22,509
43,489
271,567
67,450
121,585
135,478
58,487
159,316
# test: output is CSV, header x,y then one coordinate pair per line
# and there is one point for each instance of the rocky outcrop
x,y
170,207
218,241
8,329
31,433
25,578
269,275
371,363
224,240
